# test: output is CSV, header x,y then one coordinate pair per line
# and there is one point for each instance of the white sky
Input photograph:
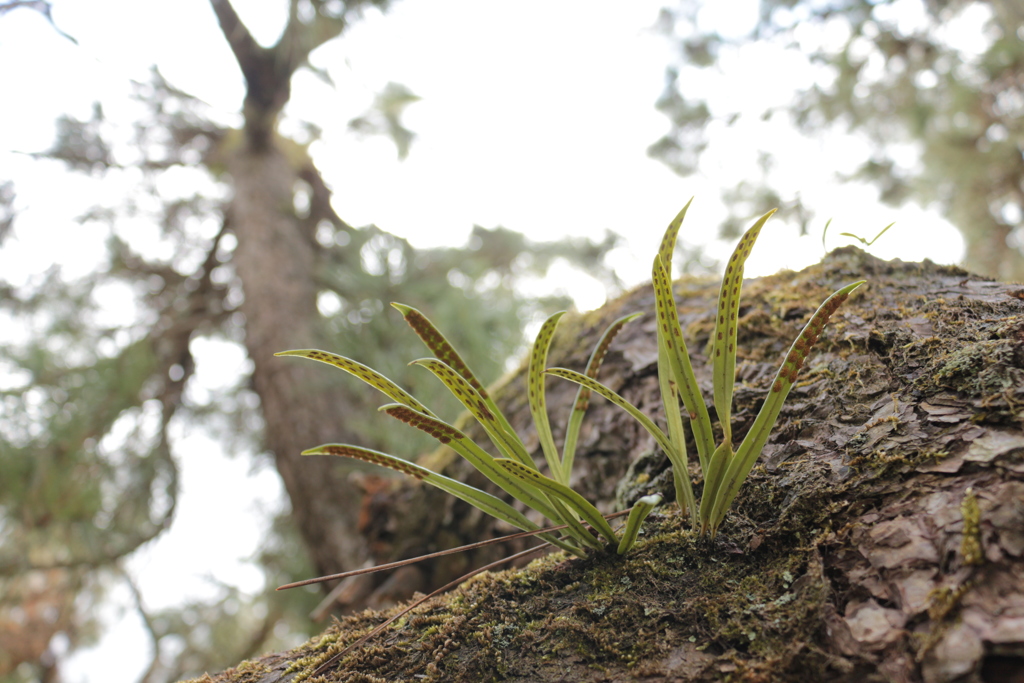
x,y
535,116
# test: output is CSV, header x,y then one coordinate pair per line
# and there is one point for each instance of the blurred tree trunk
x,y
275,261
880,538
990,251
281,267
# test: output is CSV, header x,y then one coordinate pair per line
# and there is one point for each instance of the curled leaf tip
x,y
641,509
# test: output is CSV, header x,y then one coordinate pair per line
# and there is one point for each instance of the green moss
x,y
944,602
249,671
606,612
975,367
970,545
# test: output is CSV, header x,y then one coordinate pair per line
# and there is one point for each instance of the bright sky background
x,y
535,116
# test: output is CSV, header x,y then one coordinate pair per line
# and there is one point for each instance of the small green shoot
x,y
724,469
637,515
515,472
860,239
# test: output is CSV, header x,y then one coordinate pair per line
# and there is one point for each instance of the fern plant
x,y
515,471
724,469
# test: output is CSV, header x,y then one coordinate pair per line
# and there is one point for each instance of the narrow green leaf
x,y
668,241
477,457
713,481
445,352
750,449
865,242
578,503
507,442
582,401
537,399
641,509
677,456
439,345
481,500
724,347
576,529
672,371
368,375
604,391
679,359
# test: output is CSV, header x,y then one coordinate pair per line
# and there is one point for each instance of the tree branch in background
x,y
149,674
41,6
7,211
942,116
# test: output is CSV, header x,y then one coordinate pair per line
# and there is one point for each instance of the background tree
x,y
123,390
250,251
935,87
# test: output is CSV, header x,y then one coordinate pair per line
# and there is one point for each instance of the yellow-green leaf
x,y
581,505
750,449
368,375
639,512
723,350
508,443
536,395
582,401
679,360
482,500
477,457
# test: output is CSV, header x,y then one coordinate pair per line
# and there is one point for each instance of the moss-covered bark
x,y
880,537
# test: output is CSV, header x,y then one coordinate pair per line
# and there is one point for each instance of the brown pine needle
x,y
327,665
416,603
440,553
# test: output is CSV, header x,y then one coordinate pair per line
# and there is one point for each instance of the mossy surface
x,y
609,617
846,556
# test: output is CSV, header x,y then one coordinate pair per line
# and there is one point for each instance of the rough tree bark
x,y
880,537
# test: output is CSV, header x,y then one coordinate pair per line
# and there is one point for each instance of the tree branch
x,y
40,6
267,76
147,621
268,71
243,45
170,341
300,37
